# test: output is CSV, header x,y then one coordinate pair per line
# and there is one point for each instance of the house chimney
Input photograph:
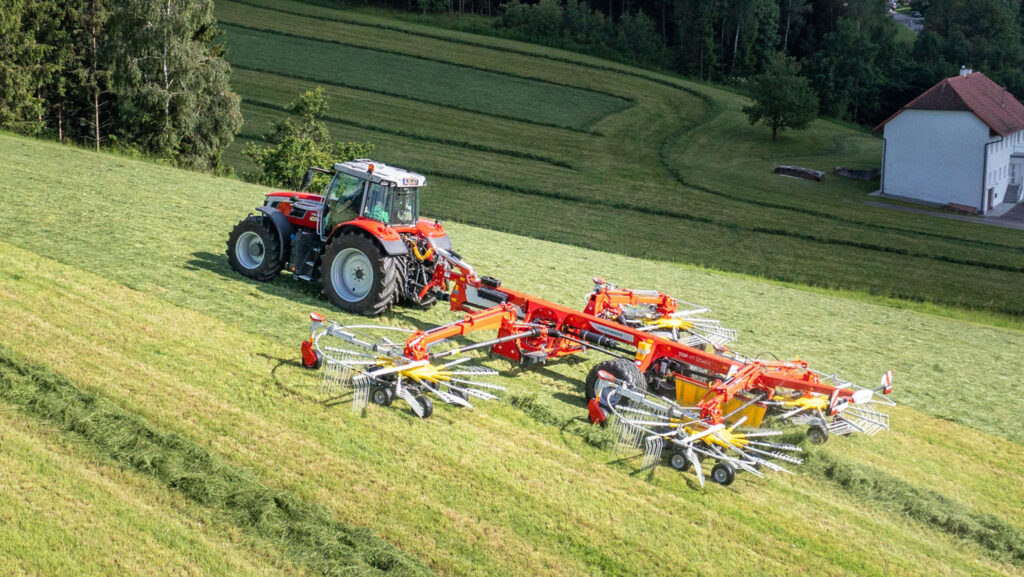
x,y
965,71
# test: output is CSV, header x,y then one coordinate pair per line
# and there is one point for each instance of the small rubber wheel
x,y
678,461
723,474
817,434
457,393
428,406
381,396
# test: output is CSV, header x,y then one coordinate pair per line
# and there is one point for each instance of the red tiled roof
x,y
997,108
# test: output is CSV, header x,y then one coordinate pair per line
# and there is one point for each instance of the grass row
x,y
65,510
422,137
416,77
996,537
307,532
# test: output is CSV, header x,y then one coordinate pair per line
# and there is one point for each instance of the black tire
x,y
381,396
372,274
817,434
723,474
254,250
428,406
678,461
622,369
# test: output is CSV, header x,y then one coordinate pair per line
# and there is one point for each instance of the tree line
x,y
139,75
852,53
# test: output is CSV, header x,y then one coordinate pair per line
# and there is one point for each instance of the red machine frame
x,y
533,329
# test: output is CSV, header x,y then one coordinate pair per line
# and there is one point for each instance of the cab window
x,y
377,205
344,199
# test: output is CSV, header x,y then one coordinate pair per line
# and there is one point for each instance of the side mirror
x,y
306,180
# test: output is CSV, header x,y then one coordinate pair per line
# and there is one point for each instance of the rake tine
x,y
478,384
411,400
653,446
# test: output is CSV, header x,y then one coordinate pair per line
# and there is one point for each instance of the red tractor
x,y
362,237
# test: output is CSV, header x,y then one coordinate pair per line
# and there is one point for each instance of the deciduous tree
x,y
296,146
782,98
171,82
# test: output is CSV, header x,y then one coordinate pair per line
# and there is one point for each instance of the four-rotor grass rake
x,y
670,381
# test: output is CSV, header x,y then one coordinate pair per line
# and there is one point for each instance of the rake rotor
x,y
371,362
655,424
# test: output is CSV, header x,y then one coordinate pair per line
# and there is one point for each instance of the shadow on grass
x,y
284,286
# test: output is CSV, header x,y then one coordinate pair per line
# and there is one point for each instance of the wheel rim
x,y
720,475
678,461
352,275
250,250
606,393
380,396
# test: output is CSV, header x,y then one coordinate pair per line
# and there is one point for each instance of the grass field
x,y
647,164
120,287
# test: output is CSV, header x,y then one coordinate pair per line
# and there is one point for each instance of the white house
x,y
960,143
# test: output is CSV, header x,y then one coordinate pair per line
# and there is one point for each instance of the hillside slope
x,y
516,137
114,276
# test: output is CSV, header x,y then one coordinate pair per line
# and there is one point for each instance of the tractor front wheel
x,y
254,249
358,277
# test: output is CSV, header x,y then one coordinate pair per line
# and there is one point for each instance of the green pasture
x,y
676,174
122,289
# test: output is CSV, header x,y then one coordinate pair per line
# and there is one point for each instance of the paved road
x,y
915,24
1012,219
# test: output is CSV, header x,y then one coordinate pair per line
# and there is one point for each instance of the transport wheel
x,y
358,277
678,461
254,249
428,406
622,369
459,394
381,396
817,434
723,474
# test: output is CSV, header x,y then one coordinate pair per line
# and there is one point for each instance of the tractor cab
x,y
371,190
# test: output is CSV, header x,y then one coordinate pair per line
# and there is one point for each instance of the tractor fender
x,y
388,239
433,233
285,229
442,242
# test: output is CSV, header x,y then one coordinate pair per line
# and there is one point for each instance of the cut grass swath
x,y
307,532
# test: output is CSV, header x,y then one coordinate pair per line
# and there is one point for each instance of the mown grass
x,y
308,533
415,77
138,307
65,510
679,173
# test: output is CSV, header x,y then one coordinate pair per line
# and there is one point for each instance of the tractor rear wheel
x,y
254,249
621,369
358,277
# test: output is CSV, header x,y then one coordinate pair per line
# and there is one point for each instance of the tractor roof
x,y
361,167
